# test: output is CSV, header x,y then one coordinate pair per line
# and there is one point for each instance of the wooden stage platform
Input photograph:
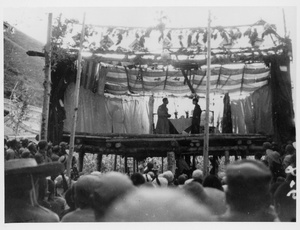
x,y
158,145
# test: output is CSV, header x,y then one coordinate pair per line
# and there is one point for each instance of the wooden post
x,y
284,23
47,83
227,160
162,164
77,87
115,164
133,165
99,161
120,162
194,161
206,127
171,162
80,160
126,166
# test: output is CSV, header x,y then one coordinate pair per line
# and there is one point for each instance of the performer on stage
x,y
162,126
196,117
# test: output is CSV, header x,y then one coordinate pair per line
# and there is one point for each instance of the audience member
x,y
137,179
197,175
41,155
212,198
21,188
248,193
157,205
112,187
285,202
213,181
83,191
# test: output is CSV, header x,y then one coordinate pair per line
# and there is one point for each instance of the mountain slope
x,y
18,66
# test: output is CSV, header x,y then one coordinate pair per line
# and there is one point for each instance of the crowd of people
x,y
37,189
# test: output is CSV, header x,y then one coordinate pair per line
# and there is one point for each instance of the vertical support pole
x,y
227,160
151,107
115,163
47,83
194,161
162,164
126,166
206,127
171,162
80,160
284,23
77,87
99,162
133,165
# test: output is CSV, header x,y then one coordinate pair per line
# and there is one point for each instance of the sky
x,y
33,20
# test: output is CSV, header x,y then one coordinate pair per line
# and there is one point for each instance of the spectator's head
x,y
181,179
198,175
169,176
13,143
289,149
55,149
275,146
43,145
160,182
157,205
150,165
25,153
137,179
212,181
112,186
32,147
248,186
212,198
84,188
25,143
267,145
285,202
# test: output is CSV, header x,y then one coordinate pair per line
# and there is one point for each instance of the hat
x,y
248,184
96,173
111,186
168,175
267,145
157,205
197,174
248,174
84,188
30,166
213,198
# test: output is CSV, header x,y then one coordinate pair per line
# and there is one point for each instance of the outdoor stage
x,y
142,146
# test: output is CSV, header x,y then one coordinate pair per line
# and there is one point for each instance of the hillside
x,y
18,66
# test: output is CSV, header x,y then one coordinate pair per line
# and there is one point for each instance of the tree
x,y
19,101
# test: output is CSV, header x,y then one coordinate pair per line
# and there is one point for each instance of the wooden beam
x,y
188,81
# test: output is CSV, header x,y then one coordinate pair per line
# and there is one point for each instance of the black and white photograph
x,y
162,112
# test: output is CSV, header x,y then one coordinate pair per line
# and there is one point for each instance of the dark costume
x,y
196,119
162,126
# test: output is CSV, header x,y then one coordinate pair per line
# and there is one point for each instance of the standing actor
x,y
162,126
196,117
